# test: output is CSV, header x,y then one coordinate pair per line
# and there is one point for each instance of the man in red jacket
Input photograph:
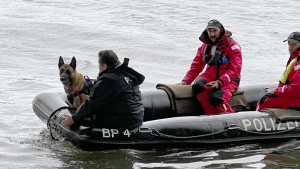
x,y
287,94
215,69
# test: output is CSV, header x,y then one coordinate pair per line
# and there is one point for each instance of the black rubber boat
x,y
174,119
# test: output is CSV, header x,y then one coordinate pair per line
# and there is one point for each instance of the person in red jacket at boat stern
x,y
287,94
219,62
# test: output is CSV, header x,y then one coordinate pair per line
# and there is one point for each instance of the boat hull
x,y
161,130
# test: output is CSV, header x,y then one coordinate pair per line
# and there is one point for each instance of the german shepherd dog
x,y
72,81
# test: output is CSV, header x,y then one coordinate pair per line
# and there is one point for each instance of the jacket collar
x,y
224,38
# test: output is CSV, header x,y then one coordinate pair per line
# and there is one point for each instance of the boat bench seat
x,y
179,100
283,115
184,102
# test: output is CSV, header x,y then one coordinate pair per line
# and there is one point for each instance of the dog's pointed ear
x,y
73,63
60,62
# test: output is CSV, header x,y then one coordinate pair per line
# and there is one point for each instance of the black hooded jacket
x,y
115,99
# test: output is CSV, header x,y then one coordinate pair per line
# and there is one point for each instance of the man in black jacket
x,y
115,99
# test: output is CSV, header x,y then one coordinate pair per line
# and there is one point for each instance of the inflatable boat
x,y
174,119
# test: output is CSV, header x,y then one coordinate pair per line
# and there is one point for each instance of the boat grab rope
x,y
54,113
156,133
159,134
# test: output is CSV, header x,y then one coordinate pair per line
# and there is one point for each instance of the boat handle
x,y
145,130
232,127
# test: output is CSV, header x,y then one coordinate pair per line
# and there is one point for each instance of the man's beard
x,y
213,39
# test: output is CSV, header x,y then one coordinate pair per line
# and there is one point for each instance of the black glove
x,y
266,96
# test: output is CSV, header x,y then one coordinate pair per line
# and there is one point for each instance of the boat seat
x,y
238,100
283,115
184,102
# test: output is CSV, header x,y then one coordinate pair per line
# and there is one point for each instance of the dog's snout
x,y
62,78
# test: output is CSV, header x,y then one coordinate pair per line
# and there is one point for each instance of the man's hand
x,y
270,91
213,85
68,121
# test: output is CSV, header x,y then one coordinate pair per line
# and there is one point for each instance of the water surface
x,y
161,38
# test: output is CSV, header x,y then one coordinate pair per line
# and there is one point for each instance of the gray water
x,y
161,38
